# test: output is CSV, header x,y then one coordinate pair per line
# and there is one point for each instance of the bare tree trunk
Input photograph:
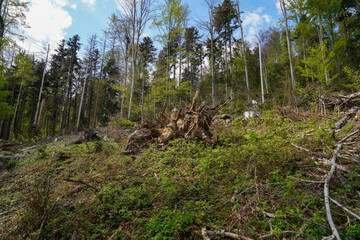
x,y
230,69
41,87
283,9
65,100
99,85
133,60
142,99
125,82
244,50
83,89
261,75
43,102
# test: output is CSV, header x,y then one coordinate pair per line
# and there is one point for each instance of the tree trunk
x,y
17,105
283,9
83,89
133,60
41,87
99,85
261,76
244,50
43,102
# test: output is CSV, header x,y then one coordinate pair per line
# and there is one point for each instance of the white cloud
x,y
48,22
89,3
254,21
278,5
267,18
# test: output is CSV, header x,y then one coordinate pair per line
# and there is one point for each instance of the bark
x,y
244,50
43,103
283,9
83,89
65,99
17,104
326,193
99,85
41,87
261,76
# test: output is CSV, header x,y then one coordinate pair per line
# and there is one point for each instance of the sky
x,y
50,21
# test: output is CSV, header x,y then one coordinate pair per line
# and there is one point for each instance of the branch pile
x,y
341,102
192,122
350,155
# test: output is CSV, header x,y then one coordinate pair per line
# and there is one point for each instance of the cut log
x,y
224,118
342,122
139,139
341,102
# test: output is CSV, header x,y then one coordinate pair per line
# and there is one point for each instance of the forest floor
x,y
263,179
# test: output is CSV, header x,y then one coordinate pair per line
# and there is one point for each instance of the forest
x,y
314,50
267,177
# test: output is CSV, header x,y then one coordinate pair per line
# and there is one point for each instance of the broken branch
x,y
326,193
81,182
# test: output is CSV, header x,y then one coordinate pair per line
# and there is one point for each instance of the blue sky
x,y
52,20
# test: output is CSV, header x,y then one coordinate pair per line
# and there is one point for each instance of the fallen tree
x,y
192,122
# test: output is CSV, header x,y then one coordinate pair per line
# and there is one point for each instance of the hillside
x,y
263,179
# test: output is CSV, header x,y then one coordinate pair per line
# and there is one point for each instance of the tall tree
x,y
283,9
225,25
170,23
12,16
211,25
238,13
138,12
147,56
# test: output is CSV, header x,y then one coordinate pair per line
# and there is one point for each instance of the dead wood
x,y
335,232
224,118
81,182
223,233
346,210
89,135
341,102
192,122
350,114
139,139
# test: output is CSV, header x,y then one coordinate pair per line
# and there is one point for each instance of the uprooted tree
x,y
192,122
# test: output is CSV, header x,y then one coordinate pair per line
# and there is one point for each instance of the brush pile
x,y
193,122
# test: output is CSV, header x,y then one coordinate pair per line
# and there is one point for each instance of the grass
x,y
248,183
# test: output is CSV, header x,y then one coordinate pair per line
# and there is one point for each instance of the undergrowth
x,y
251,182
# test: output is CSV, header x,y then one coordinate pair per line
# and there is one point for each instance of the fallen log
x,y
342,121
139,139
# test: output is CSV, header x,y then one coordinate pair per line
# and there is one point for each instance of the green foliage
x,y
11,164
168,224
5,108
171,193
121,123
319,64
354,77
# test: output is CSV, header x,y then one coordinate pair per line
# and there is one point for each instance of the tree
x,y
72,63
147,56
238,13
225,25
170,23
211,5
12,16
138,13
283,10
24,64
